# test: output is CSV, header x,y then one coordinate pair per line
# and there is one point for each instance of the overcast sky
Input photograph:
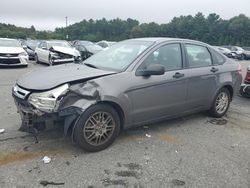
x,y
48,14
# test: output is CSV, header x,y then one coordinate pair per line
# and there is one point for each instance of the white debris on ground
x,y
2,131
148,135
46,159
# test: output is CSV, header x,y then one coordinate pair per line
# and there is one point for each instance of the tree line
x,y
211,29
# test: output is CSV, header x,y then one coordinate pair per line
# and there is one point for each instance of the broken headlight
x,y
46,101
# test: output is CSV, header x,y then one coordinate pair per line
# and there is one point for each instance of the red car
x,y
245,87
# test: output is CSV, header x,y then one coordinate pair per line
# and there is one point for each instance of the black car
x,y
86,48
30,46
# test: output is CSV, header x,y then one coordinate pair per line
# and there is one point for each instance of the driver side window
x,y
168,55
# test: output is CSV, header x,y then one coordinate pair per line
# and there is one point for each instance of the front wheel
x,y
51,61
221,103
97,128
36,58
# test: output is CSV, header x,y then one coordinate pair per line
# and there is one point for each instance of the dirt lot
x,y
186,152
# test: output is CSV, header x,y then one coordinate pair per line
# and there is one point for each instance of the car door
x,y
202,81
41,52
160,96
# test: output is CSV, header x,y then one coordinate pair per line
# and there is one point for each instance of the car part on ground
x,y
12,53
86,48
131,83
56,52
245,87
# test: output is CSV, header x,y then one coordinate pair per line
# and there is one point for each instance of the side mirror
x,y
152,69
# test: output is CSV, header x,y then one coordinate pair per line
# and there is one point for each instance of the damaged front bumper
x,y
66,112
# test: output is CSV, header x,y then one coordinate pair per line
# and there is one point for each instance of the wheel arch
x,y
119,110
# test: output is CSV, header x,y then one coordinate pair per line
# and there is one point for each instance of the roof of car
x,y
7,39
56,41
165,39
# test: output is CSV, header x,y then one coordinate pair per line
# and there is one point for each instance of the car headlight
x,y
54,55
46,101
23,54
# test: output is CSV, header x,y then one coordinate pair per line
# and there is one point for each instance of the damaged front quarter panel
x,y
79,98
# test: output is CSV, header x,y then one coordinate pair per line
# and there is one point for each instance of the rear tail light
x,y
239,69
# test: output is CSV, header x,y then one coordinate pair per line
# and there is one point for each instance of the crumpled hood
x,y
50,77
70,51
11,50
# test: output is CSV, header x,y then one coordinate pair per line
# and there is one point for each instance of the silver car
x,y
56,52
133,82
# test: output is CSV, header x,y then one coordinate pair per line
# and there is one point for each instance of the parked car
x,y
225,51
245,87
239,53
12,53
55,52
30,46
86,48
105,44
134,82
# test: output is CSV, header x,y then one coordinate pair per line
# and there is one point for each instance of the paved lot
x,y
186,152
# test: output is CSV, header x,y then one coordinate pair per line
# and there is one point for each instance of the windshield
x,y
61,44
9,43
85,42
119,56
32,43
93,48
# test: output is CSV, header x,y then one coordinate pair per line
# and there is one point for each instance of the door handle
x,y
213,69
178,75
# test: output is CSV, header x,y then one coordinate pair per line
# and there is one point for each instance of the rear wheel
x,y
97,128
36,58
221,103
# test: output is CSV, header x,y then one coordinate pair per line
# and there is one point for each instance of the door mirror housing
x,y
25,47
152,69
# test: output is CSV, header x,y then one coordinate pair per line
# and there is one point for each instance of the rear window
x,y
218,58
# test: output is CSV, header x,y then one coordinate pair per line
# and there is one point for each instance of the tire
x,y
90,123
217,112
36,59
51,63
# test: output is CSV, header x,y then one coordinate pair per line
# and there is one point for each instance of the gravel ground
x,y
192,151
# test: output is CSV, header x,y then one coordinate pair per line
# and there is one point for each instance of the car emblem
x,y
8,55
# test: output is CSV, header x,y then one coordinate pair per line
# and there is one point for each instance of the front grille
x,y
65,56
10,61
9,55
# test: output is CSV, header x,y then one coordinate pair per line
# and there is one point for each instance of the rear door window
x,y
198,56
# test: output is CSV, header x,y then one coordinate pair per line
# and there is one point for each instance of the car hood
x,y
70,51
11,50
51,77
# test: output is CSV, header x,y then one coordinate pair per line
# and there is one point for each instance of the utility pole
x,y
66,19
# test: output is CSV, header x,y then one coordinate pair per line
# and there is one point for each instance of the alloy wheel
x,y
99,128
222,102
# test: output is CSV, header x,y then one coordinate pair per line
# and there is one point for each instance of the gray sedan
x,y
131,83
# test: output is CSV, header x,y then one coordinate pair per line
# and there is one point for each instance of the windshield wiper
x,y
90,65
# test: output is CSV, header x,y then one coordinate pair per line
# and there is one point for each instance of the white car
x,y
12,53
56,52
